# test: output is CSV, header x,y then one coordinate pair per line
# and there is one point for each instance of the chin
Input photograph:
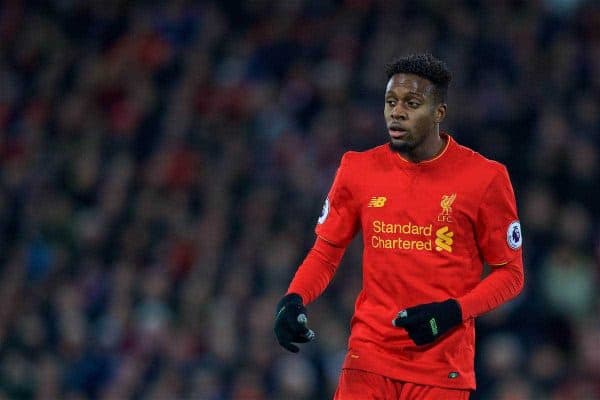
x,y
400,146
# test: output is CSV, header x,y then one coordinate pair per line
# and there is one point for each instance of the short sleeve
x,y
499,235
339,220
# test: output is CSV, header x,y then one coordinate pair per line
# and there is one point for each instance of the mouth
x,y
397,131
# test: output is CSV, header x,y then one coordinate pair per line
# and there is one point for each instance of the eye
x,y
391,103
413,104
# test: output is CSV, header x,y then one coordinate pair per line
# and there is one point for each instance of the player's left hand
x,y
426,322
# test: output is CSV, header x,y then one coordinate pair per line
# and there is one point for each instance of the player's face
x,y
412,115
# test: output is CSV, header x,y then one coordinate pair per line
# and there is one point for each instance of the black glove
x,y
426,322
290,323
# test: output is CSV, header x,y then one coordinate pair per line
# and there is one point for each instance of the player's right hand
x,y
290,323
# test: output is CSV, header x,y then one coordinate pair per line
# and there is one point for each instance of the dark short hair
x,y
426,66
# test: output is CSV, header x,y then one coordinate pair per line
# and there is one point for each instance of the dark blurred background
x,y
162,168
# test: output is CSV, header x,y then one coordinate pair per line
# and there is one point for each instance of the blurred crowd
x,y
162,168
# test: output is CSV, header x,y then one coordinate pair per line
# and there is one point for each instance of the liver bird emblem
x,y
446,203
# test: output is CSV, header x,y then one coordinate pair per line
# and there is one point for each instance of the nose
x,y
399,113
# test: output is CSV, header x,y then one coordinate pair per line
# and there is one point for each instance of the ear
x,y
440,113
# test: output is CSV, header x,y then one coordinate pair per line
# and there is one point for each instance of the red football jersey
x,y
427,229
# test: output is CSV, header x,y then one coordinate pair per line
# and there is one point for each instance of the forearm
x,y
503,284
316,271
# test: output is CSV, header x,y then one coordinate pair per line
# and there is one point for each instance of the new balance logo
x,y
444,239
377,202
